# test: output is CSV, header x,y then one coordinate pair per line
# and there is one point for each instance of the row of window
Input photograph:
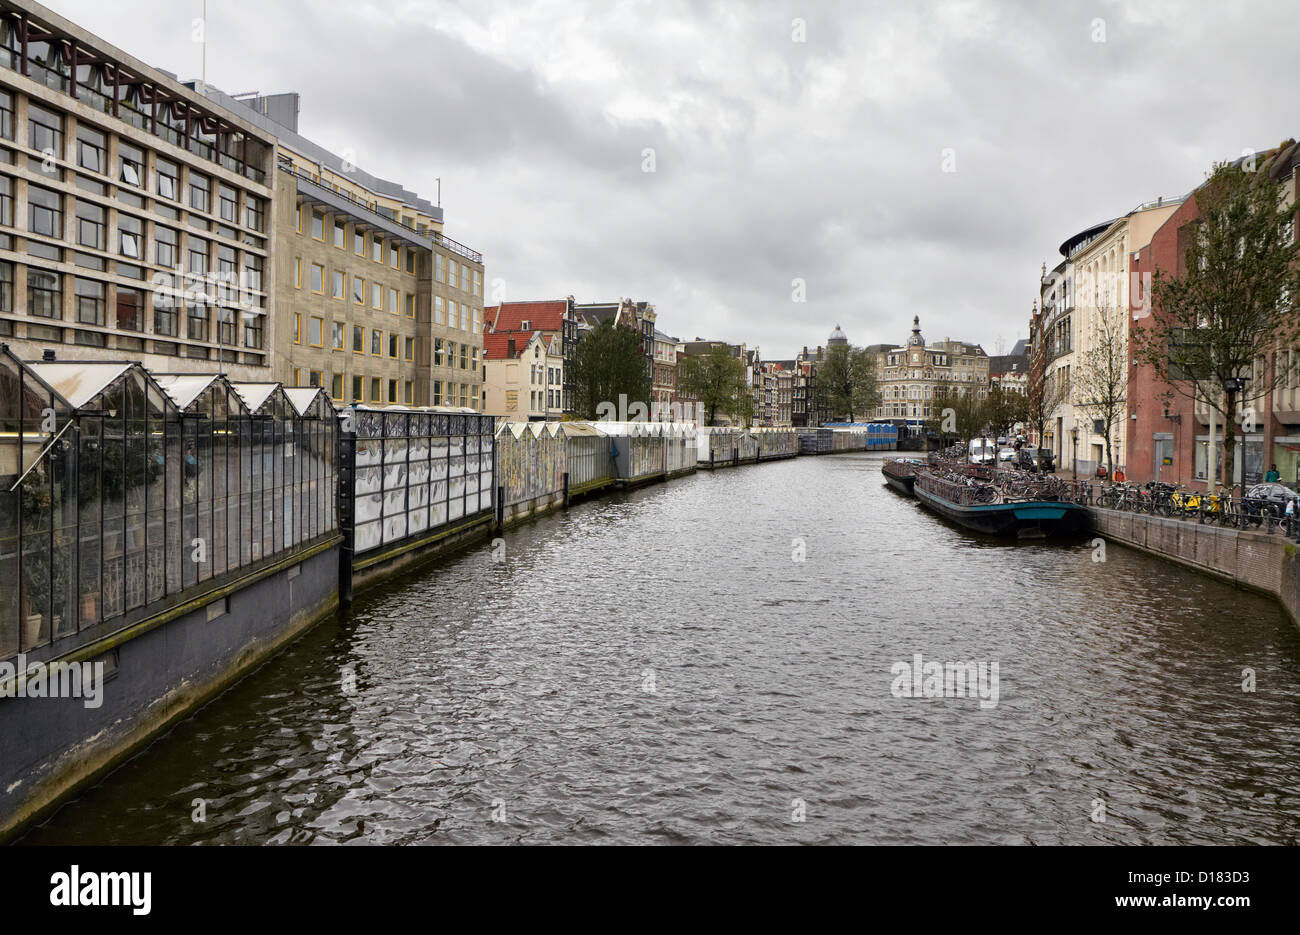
x,y
45,217
45,133
386,390
445,353
445,270
451,314
45,299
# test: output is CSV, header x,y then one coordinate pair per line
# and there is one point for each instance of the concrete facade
x,y
114,222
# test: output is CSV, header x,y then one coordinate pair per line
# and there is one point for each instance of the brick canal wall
x,y
1264,562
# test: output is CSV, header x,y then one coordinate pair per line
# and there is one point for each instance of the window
x,y
451,353
410,348
227,204
451,275
464,357
437,392
44,131
255,214
464,277
358,242
130,309
394,254
297,272
298,217
44,295
464,318
336,386
165,246
410,305
6,201
478,320
340,233
88,297
338,285
90,149
196,321
130,236
478,283
316,333
337,336
315,378
376,295
410,261
374,390
392,391
358,290
358,339
407,392
200,196
165,175
317,225
90,225
6,115
376,342
437,310
297,328
377,249
44,212
393,341
253,325
164,314
253,271
438,265
437,352
392,301
357,386
318,279
198,256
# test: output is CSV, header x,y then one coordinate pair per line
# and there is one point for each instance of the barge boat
x,y
982,508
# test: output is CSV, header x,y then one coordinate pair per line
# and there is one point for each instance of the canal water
x,y
661,667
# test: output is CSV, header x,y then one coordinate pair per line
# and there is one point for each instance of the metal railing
x,y
375,208
1253,514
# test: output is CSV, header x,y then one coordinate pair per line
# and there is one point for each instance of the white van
x,y
983,451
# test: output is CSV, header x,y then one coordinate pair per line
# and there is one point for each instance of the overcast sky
x,y
790,140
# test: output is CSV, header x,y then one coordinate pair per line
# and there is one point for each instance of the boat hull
x,y
1021,519
900,474
903,485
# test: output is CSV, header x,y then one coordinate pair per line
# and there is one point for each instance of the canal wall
x,y
1261,561
156,671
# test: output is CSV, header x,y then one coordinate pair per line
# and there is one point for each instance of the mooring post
x,y
501,507
566,490
345,504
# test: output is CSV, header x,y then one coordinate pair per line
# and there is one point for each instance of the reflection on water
x,y
658,667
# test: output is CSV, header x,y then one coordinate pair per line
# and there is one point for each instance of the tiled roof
x,y
541,316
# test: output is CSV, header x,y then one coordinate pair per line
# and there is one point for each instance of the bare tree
x,y
1100,377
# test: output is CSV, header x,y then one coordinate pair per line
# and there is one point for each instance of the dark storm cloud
x,y
775,159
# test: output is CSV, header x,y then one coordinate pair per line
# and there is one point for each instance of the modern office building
x,y
375,303
135,214
146,218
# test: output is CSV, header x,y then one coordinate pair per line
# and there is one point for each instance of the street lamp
x,y
1074,442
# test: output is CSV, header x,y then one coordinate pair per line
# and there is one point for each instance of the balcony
x,y
337,199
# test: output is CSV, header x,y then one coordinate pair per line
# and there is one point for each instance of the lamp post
x,y
1233,386
1074,443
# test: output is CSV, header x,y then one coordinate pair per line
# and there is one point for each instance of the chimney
x,y
48,354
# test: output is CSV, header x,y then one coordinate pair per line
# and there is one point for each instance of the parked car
x,y
1007,454
1274,495
1029,458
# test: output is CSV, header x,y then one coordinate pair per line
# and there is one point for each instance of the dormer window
x,y
523,326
